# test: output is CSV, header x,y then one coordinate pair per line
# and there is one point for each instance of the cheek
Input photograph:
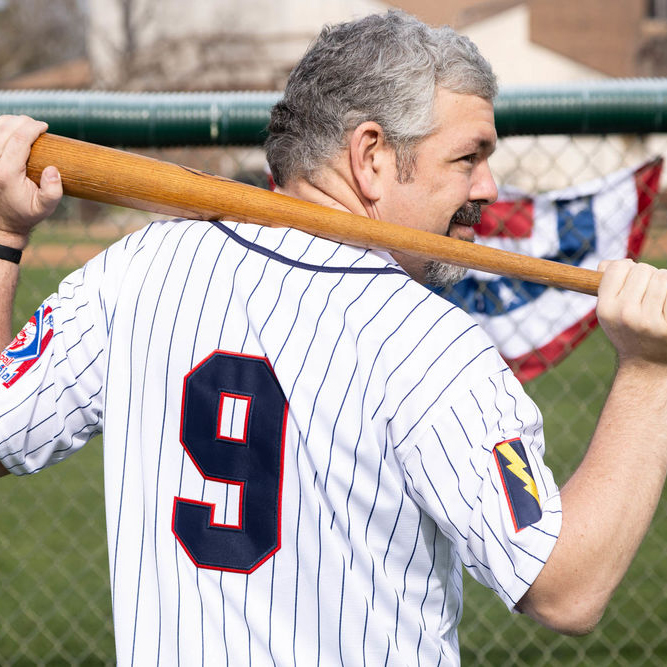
x,y
428,204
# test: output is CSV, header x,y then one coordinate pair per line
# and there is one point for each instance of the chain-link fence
x,y
55,604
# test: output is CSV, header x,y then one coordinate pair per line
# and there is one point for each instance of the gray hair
x,y
383,68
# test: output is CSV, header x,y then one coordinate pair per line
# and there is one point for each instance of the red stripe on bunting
x,y
507,219
647,180
535,362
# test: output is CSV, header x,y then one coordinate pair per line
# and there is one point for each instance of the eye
x,y
471,158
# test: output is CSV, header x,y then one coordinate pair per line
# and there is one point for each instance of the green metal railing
x,y
611,106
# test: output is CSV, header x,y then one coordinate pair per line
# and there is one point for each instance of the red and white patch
x,y
27,347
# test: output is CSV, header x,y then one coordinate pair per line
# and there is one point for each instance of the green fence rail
x,y
609,106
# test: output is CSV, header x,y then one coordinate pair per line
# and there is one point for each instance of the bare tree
x,y
36,34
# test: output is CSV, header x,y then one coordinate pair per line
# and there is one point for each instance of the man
x,y
302,443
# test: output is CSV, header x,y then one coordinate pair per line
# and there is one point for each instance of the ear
x,y
371,159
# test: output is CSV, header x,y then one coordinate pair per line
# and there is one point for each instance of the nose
x,y
484,189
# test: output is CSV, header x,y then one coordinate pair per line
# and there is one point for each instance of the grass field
x,y
55,607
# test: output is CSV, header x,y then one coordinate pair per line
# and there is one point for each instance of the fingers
x,y
614,276
654,302
15,132
22,203
632,309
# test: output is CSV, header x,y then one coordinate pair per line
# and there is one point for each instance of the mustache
x,y
469,214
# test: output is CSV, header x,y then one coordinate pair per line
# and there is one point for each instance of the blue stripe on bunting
x,y
576,229
576,235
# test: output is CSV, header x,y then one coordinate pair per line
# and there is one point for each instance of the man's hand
x,y
22,203
632,310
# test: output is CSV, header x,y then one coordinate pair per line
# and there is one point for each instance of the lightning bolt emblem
x,y
517,466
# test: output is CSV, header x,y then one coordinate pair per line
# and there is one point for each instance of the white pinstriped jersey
x,y
299,442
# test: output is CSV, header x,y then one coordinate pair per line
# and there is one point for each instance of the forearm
x,y
608,503
9,273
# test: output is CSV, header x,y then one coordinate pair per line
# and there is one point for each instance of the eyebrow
x,y
478,144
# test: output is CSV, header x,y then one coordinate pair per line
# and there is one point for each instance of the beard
x,y
441,274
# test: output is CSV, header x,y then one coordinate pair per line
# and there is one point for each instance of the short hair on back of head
x,y
384,68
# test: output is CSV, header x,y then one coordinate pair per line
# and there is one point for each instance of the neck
x,y
331,186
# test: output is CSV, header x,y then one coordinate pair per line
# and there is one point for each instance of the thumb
x,y
50,190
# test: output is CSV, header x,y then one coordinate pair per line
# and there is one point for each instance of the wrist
x,y
643,375
13,240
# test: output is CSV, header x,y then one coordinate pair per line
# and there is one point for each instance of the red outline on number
x,y
225,481
242,397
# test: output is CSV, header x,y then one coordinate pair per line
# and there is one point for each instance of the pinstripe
x,y
282,284
195,337
404,360
509,558
296,316
75,410
396,623
319,583
296,564
412,555
120,508
437,494
143,393
245,614
363,403
224,318
340,409
224,630
58,450
363,643
298,449
391,536
164,409
340,614
453,468
477,565
479,408
434,401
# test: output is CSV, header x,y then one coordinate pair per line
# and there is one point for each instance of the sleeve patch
x,y
27,347
520,488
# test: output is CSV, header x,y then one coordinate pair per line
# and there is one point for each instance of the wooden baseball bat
x,y
117,177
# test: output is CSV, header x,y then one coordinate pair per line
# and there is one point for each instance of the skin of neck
x,y
335,186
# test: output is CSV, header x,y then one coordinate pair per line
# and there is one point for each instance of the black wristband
x,y
10,254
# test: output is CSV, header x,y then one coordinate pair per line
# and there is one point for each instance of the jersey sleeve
x,y
479,472
52,373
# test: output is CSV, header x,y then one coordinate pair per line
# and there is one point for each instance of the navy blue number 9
x,y
249,456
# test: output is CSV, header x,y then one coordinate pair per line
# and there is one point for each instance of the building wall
x,y
516,59
601,34
456,13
